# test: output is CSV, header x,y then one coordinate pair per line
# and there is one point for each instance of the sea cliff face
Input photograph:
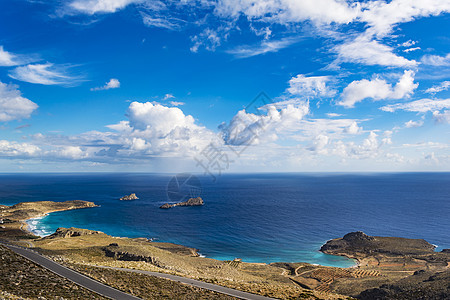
x,y
191,202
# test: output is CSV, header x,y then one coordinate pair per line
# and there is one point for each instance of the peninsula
x,y
387,267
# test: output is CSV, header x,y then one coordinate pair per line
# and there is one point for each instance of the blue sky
x,y
157,86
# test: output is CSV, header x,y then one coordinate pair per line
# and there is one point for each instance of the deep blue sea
x,y
256,217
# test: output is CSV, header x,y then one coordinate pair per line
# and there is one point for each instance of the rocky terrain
x,y
393,268
358,244
421,285
388,267
148,287
22,279
14,217
129,197
71,232
191,202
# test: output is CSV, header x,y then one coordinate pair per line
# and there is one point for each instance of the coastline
x,y
33,228
82,248
355,262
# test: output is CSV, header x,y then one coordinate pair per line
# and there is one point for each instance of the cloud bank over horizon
x,y
357,85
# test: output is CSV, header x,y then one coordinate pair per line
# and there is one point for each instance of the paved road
x,y
110,292
76,277
200,284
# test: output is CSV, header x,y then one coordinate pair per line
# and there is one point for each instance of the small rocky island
x,y
191,202
129,197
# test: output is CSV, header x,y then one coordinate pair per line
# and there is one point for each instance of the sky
x,y
217,86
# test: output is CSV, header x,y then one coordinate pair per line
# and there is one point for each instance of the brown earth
x,y
386,265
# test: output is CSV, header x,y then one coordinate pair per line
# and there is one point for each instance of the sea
x,y
261,218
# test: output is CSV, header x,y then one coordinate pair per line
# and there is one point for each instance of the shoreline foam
x,y
32,226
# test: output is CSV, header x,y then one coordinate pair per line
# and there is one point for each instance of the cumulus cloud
x,y
111,84
420,106
436,60
443,117
378,89
12,105
165,130
252,129
319,144
443,86
369,148
14,149
46,74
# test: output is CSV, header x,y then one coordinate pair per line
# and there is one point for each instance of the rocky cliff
x,y
129,197
71,232
358,244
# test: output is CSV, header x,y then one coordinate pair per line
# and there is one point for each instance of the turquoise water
x,y
256,217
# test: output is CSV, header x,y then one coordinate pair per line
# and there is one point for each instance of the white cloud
x,y
382,16
162,21
12,105
333,115
290,11
266,46
8,59
46,74
168,96
319,144
310,87
408,43
411,49
364,50
420,106
209,38
91,7
378,89
443,86
443,117
369,148
111,84
177,103
413,124
161,130
251,129
436,60
14,149
69,152
333,128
